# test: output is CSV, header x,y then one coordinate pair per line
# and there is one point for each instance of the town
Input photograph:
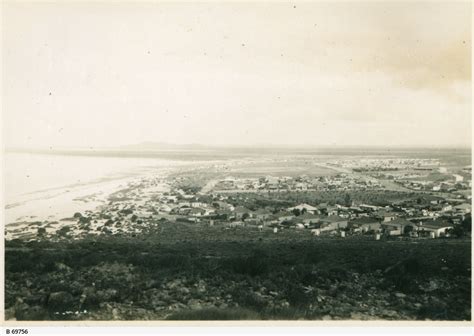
x,y
376,198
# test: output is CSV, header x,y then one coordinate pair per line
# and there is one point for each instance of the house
x,y
447,207
261,214
196,212
308,218
240,212
332,223
308,208
438,226
223,214
223,206
301,186
143,213
284,216
180,210
272,185
271,220
463,208
196,204
387,216
236,224
323,207
333,210
170,199
364,224
164,208
398,227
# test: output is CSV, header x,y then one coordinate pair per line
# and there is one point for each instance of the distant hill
x,y
160,146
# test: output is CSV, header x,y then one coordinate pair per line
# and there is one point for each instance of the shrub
x,y
250,265
248,299
64,230
296,295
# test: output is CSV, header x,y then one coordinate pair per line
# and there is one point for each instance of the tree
x,y
462,229
296,212
457,230
407,230
347,200
466,224
41,231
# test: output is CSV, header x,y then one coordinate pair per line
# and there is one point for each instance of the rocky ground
x,y
180,271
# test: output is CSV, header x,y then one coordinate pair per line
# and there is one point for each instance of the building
x,y
332,223
284,216
463,208
261,214
223,206
240,212
438,226
308,208
387,216
398,227
308,218
364,224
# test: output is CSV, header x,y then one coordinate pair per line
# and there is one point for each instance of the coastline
x,y
56,207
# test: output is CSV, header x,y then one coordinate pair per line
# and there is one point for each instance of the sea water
x,y
38,186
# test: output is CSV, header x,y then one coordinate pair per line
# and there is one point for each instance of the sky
x,y
293,73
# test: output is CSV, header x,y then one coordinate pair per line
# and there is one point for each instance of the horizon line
x,y
236,146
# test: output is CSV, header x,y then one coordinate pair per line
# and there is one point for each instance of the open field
x,y
280,168
188,271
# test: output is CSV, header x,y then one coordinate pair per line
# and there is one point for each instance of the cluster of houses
x,y
435,216
419,179
341,182
148,201
373,164
454,184
412,173
403,218
378,220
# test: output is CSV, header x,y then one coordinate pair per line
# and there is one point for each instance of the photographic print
x,y
262,161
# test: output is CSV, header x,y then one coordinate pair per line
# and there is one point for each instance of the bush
x,y
297,297
250,265
84,220
41,231
64,230
248,299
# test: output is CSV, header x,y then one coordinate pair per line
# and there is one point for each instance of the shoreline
x,y
84,197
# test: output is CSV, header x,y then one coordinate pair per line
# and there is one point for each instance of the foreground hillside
x,y
184,271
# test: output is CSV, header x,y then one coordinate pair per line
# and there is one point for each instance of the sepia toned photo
x,y
256,161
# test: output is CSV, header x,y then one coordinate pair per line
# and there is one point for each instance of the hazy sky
x,y
246,73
